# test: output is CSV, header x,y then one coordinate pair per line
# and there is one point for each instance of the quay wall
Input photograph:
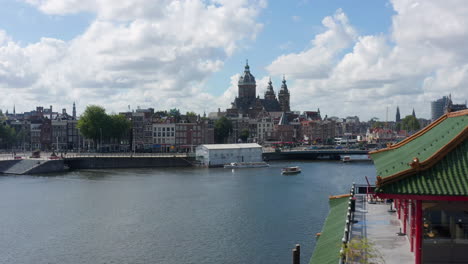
x,y
6,164
49,166
127,162
297,156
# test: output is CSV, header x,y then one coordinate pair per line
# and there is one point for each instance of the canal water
x,y
170,215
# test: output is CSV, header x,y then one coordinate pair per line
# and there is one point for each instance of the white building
x,y
214,155
164,135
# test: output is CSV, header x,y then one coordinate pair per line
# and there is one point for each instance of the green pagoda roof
x,y
424,155
448,177
327,249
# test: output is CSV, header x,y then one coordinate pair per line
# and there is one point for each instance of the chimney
x,y
64,111
50,112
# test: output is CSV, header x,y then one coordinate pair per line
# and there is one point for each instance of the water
x,y
169,215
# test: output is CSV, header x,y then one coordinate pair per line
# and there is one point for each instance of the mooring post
x,y
297,254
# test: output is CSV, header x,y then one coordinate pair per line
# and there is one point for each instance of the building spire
x,y
247,67
74,111
414,114
397,116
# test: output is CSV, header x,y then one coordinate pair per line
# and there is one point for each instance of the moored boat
x,y
236,165
346,159
291,170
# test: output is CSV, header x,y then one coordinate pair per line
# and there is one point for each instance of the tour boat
x,y
291,170
237,165
346,159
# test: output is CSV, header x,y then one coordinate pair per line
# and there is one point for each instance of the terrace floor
x,y
380,227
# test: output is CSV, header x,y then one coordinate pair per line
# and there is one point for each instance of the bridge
x,y
332,154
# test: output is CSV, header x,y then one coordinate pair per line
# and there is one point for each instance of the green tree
x,y
95,123
222,128
191,114
244,135
7,135
175,113
120,126
410,123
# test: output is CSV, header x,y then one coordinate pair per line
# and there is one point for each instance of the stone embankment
x,y
31,166
39,166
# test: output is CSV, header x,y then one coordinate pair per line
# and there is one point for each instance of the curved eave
x,y
422,131
429,162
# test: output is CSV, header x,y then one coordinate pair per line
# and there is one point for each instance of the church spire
x,y
74,111
247,67
270,93
414,114
397,116
283,96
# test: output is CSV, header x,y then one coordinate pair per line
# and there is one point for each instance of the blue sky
x,y
362,56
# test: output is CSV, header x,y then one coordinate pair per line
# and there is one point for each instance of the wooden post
x,y
298,250
295,256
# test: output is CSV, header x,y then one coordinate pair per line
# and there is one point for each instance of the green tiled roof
x,y
328,245
448,177
396,160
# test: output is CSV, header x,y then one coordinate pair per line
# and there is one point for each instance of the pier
x,y
332,154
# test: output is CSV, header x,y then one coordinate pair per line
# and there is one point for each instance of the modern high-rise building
x,y
438,106
444,105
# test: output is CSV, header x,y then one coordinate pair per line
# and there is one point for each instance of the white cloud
x,y
138,52
316,62
423,57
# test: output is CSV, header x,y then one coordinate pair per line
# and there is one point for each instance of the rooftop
x,y
422,150
232,146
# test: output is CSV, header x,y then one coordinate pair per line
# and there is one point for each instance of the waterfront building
x,y
189,135
264,129
215,155
380,135
426,177
164,136
318,131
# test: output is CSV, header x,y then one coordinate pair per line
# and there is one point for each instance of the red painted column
x,y
412,221
418,232
399,209
405,214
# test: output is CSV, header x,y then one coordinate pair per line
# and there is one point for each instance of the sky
x,y
361,57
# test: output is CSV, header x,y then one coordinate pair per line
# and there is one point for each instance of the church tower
x,y
283,97
270,93
74,111
247,85
397,117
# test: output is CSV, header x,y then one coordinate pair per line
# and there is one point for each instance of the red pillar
x,y
418,232
412,226
405,214
399,209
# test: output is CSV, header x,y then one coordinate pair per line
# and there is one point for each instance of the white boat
x,y
346,159
291,170
237,165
